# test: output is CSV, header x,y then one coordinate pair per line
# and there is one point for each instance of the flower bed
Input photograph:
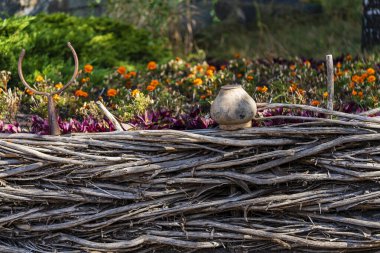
x,y
173,94
306,186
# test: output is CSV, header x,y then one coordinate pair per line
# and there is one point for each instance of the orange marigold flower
x,y
315,103
152,65
197,82
111,93
354,93
239,75
360,94
307,63
151,88
121,70
293,73
81,93
348,57
249,78
371,71
223,67
292,67
127,76
209,73
293,87
199,68
325,94
133,73
339,65
39,79
203,97
262,89
371,79
135,92
88,68
154,83
351,85
211,68
29,92
58,86
355,78
339,73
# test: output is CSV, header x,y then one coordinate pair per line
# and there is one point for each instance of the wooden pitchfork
x,y
52,113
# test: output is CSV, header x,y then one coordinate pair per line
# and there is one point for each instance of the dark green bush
x,y
99,41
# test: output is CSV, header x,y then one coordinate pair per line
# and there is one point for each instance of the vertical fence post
x,y
330,81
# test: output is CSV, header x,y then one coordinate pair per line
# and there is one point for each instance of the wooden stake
x,y
330,81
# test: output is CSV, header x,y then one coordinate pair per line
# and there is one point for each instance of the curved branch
x,y
20,74
75,71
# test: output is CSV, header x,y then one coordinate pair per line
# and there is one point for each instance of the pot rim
x,y
231,86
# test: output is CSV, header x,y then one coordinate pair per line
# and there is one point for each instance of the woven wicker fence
x,y
309,186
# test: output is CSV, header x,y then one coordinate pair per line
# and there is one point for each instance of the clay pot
x,y
233,108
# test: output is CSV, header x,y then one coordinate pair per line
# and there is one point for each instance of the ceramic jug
x,y
233,108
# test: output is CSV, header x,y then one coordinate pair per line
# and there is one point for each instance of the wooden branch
x,y
109,116
297,187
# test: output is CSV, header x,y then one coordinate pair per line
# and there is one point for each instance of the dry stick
x,y
144,239
7,248
218,140
330,121
99,215
288,238
110,116
330,82
20,170
370,112
351,221
262,106
37,154
314,150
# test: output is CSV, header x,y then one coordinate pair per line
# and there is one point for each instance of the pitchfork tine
x,y
75,56
20,59
52,113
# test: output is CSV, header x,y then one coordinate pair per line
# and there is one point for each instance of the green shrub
x,y
100,41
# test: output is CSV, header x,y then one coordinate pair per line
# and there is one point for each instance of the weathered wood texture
x,y
330,81
299,187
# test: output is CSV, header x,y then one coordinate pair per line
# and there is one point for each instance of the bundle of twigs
x,y
309,186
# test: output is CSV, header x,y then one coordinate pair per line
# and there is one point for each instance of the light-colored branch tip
x,y
110,116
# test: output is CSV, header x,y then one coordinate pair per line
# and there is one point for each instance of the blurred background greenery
x,y
251,28
132,32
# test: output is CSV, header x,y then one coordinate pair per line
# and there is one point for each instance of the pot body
x,y
233,108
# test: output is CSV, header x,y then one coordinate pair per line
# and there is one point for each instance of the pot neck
x,y
231,86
